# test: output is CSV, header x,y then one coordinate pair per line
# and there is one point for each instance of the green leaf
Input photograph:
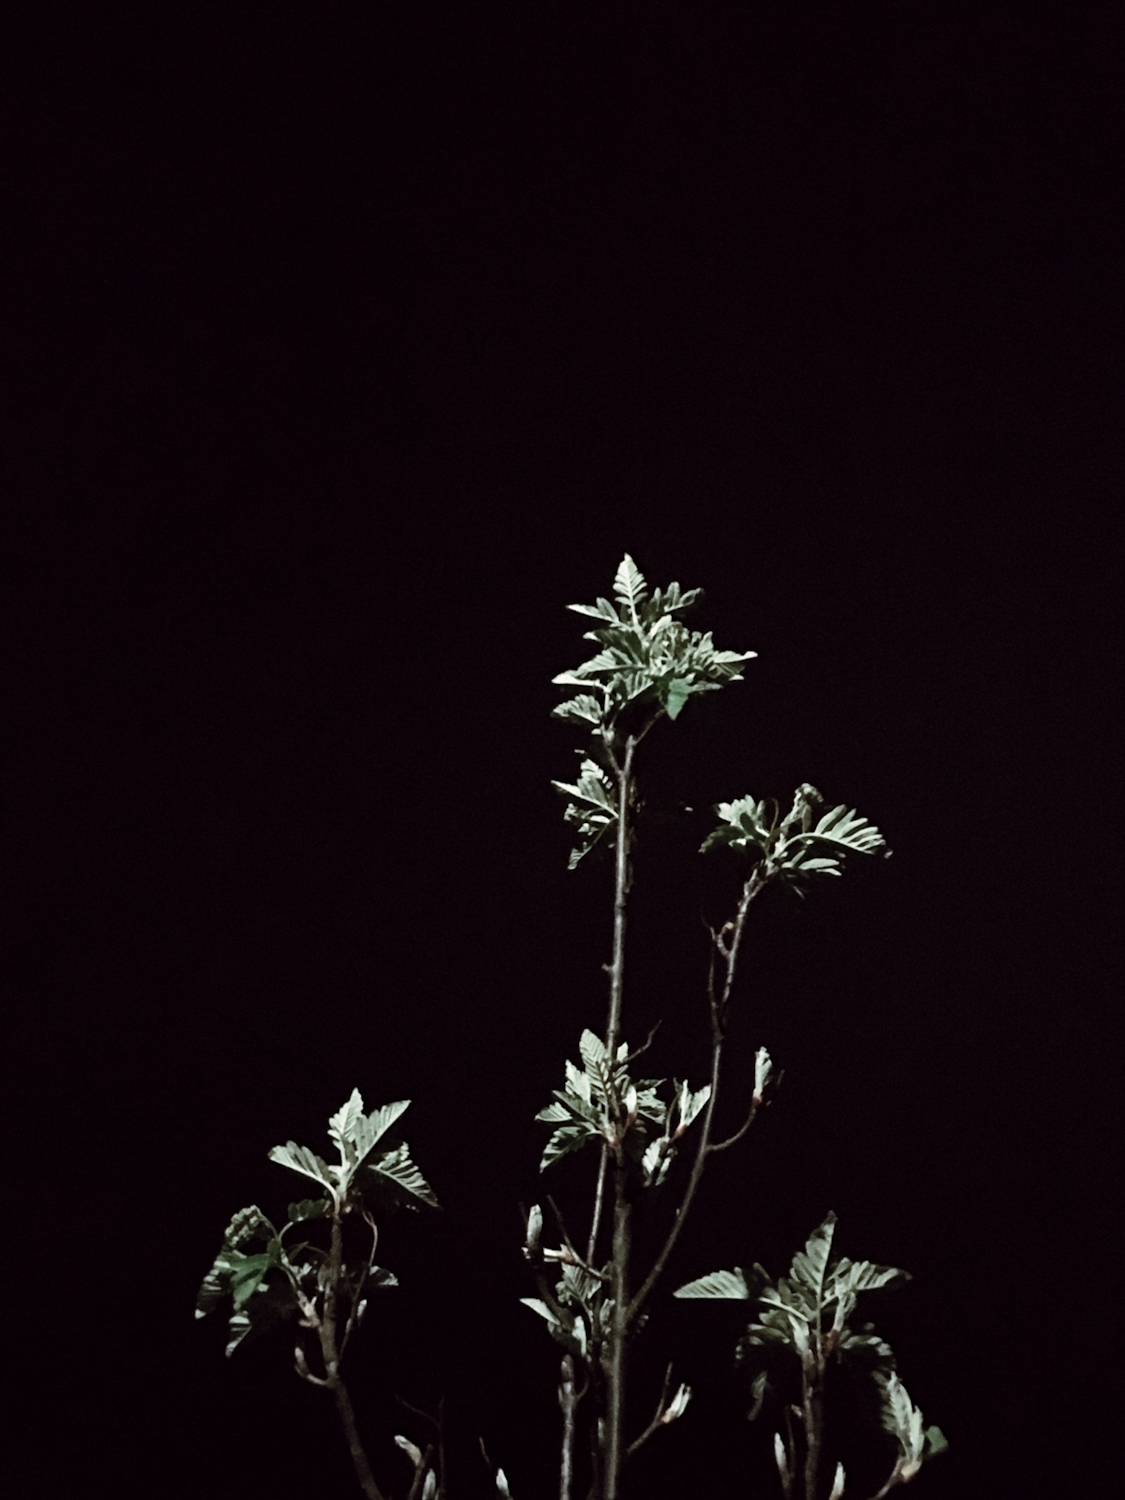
x,y
392,1174
247,1276
301,1159
341,1126
308,1208
676,695
247,1225
810,1265
629,585
567,1329
730,1286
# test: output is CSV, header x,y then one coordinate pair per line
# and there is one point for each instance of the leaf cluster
x,y
807,842
647,657
806,1315
601,1102
269,1281
363,1174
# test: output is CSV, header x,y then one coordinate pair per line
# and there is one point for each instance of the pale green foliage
x,y
818,1296
592,810
806,842
806,1314
904,1421
647,656
269,1284
601,1102
388,1173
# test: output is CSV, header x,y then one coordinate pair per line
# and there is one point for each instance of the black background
x,y
352,344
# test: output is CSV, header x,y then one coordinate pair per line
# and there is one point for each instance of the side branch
x,y
658,1416
719,1009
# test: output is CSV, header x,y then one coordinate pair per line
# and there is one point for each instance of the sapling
x,y
593,1296
647,669
324,1288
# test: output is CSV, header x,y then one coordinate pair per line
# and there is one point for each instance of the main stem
x,y
614,1445
813,1402
331,1353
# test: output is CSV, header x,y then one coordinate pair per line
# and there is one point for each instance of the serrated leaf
x,y
247,1276
729,1286
247,1225
341,1126
307,1208
571,1333
676,695
301,1159
810,1265
629,585
393,1174
602,610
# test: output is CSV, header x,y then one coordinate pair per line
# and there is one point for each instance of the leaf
x,y
308,1208
368,1131
629,585
677,1406
412,1452
341,1126
247,1225
571,1333
758,1395
763,1069
676,695
301,1159
265,1310
730,1286
246,1278
392,1174
602,610
810,1265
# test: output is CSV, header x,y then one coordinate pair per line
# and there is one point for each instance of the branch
x,y
574,1258
599,1195
645,1045
361,1283
719,1009
420,1473
301,1365
661,1407
737,1136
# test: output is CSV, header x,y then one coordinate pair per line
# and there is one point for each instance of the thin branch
x,y
567,1401
599,1198
896,1478
751,889
575,1258
661,1408
301,1365
361,1284
420,1473
418,1412
645,1045
737,1136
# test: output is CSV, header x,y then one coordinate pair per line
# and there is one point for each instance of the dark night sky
x,y
348,352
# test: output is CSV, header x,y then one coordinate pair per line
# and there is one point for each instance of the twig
x,y
599,1195
420,1473
645,1045
574,1258
737,1136
661,1407
567,1401
751,889
361,1284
